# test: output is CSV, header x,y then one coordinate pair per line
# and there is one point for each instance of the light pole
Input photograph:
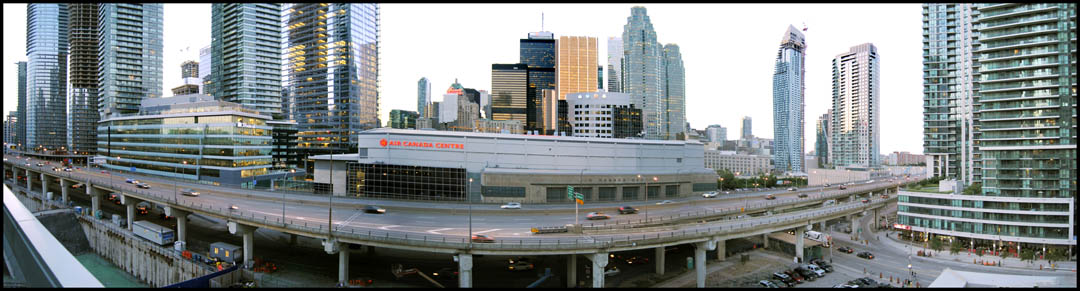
x,y
283,201
175,172
470,212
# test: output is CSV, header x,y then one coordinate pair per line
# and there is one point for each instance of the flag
x,y
580,202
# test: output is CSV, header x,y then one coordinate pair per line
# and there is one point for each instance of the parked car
x,y
803,195
845,285
770,197
665,202
791,189
480,238
627,210
818,271
866,255
189,192
784,278
768,284
520,266
143,185
799,279
823,264
865,282
806,273
845,249
596,216
843,187
710,194
611,271
511,205
374,209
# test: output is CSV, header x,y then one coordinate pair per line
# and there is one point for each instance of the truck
x,y
153,232
818,237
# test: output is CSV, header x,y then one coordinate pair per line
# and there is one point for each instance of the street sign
x,y
569,192
132,168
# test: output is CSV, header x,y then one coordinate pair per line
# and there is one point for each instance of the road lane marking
x,y
387,227
436,231
490,230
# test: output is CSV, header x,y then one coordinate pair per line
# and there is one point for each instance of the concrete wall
x,y
822,176
65,227
155,265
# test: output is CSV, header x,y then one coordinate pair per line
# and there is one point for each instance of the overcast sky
x,y
728,51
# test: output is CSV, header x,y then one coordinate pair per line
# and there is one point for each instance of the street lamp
x,y
470,212
175,172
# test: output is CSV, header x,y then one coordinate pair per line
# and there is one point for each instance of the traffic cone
x,y
879,275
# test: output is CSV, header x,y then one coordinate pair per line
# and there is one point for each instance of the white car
x,y
512,205
189,192
665,202
710,194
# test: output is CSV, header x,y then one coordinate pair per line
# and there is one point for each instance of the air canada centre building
x,y
438,165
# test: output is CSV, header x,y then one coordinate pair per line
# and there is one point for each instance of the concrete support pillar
x,y
765,240
854,225
822,227
343,263
95,199
465,270
129,202
181,223
249,242
721,250
660,260
799,243
699,262
876,222
571,273
599,261
29,181
64,186
44,185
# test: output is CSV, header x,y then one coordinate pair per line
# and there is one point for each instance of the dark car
x,y
823,264
803,195
865,282
596,216
447,273
795,276
143,185
374,209
845,250
770,197
627,210
784,278
842,187
806,273
866,255
636,260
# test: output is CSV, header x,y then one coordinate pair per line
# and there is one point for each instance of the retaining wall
x,y
155,265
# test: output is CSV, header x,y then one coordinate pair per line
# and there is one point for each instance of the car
x,y
823,265
596,216
870,182
143,185
27,164
234,207
866,200
845,249
374,209
884,196
130,181
55,169
799,279
866,255
842,187
828,185
768,284
77,186
480,238
809,275
447,273
363,281
104,172
113,197
520,266
710,194
791,189
67,170
611,271
511,205
40,165
770,197
845,285
189,192
784,278
665,202
865,282
627,210
637,260
818,271
727,192
803,195
143,208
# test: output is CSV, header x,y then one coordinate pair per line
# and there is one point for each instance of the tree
x,y
974,189
955,247
1004,254
936,245
1055,254
728,177
1027,255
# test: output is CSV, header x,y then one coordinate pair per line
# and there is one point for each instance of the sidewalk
x,y
967,257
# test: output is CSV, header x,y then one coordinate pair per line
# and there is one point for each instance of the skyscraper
x,y
423,96
332,67
821,143
46,76
204,69
189,69
20,134
246,55
576,66
949,96
538,53
716,133
788,105
855,122
11,122
83,78
509,87
643,71
130,51
746,129
675,93
615,60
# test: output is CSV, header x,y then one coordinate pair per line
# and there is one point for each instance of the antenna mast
x,y
541,21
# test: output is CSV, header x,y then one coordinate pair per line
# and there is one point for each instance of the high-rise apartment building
x,y
205,60
950,97
746,129
130,51
576,65
615,60
246,54
20,134
855,132
716,133
789,91
11,123
538,53
423,96
83,78
675,93
46,76
189,69
331,60
643,71
509,89
821,143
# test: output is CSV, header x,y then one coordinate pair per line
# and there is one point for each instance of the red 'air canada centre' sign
x,y
420,144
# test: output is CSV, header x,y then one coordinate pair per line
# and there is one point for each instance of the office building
x,y
423,96
855,122
11,124
324,42
130,51
284,155
950,97
576,65
744,164
83,78
600,78
821,143
538,53
509,90
746,129
46,76
498,126
615,60
550,112
596,114
457,112
20,134
643,71
205,60
716,133
674,93
246,54
788,94
403,119
514,167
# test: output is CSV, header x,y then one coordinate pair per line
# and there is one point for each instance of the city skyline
x,y
400,39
